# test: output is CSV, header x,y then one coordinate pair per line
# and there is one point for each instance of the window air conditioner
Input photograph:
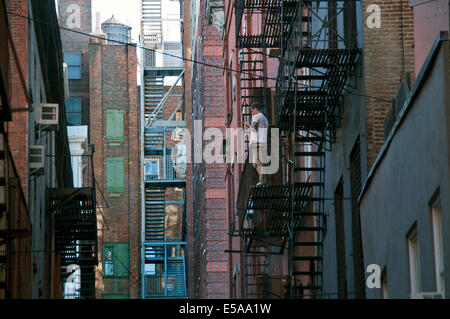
x,y
428,295
241,56
46,116
37,159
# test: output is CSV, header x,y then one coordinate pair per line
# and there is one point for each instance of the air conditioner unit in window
x,y
428,295
46,116
241,56
37,159
178,135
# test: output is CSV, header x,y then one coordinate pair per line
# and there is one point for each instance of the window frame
x,y
67,111
414,261
438,248
73,66
115,188
158,168
110,116
117,265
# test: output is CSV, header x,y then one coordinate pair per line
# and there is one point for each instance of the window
x,y
73,61
151,169
340,240
115,174
116,259
355,188
73,111
114,125
384,285
437,242
414,269
350,24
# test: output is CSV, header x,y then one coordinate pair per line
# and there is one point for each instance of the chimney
x,y
98,31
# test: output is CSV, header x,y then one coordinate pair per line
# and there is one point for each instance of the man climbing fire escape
x,y
282,222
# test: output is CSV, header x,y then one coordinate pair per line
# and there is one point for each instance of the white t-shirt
x,y
261,125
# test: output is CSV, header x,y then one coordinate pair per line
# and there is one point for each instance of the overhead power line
x,y
168,54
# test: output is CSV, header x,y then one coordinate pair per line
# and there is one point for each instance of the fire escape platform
x,y
75,221
272,205
277,197
329,71
163,71
271,35
158,183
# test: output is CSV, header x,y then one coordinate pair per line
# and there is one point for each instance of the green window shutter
x,y
115,181
109,269
114,125
123,259
119,254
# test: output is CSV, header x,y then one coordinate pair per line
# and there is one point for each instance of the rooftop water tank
x,y
116,31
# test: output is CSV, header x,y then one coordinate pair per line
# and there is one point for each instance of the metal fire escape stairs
x,y
163,260
316,60
253,52
315,64
74,214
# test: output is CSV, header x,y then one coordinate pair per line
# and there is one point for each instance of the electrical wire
x,y
136,46
170,55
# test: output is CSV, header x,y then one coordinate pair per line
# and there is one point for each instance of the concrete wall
x,y
38,184
384,59
430,17
409,171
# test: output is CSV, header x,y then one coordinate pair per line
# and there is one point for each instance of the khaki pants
x,y
258,157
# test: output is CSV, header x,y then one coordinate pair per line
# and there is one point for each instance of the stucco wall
x,y
411,170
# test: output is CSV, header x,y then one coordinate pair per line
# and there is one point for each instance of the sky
x,y
128,12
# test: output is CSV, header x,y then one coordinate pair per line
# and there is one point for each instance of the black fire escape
x,y
315,44
73,214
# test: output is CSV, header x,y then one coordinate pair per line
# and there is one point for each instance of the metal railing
x,y
165,271
164,167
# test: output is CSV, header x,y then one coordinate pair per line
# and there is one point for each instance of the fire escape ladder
x,y
153,95
308,216
257,274
316,61
75,224
154,214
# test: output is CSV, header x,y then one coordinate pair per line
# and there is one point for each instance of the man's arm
x,y
255,119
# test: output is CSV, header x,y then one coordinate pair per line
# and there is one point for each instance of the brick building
x,y
403,202
35,159
76,15
334,72
114,130
211,224
102,79
185,10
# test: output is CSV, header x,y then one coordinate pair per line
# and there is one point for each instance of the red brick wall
x,y
113,86
85,14
75,42
211,234
187,96
18,128
386,59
